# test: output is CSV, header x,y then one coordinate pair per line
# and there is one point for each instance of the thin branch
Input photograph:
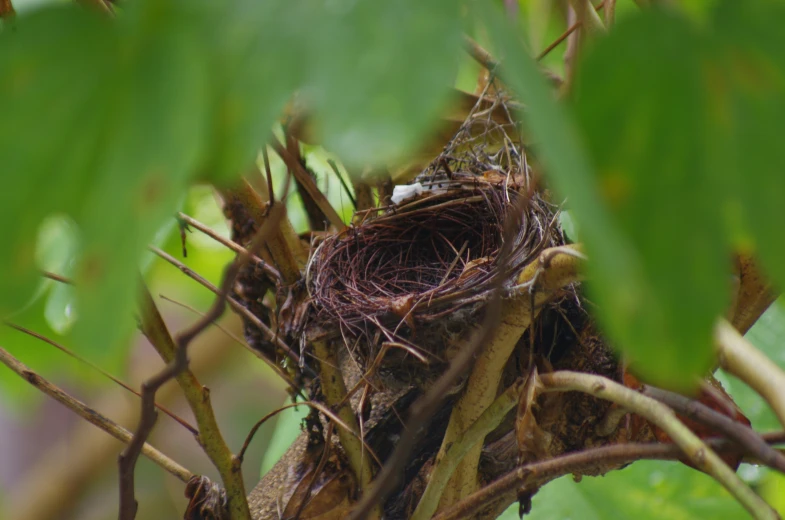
x,y
553,269
92,416
307,182
751,442
175,354
739,357
278,370
444,467
313,404
57,278
479,54
588,15
283,243
610,13
334,390
100,370
234,246
657,413
346,189
237,306
531,476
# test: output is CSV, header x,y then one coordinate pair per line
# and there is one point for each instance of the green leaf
x,y
646,133
48,65
745,81
105,122
381,73
632,291
257,61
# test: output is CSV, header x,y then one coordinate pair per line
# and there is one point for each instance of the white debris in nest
x,y
404,192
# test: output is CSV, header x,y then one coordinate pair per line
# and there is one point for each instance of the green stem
x,y
703,457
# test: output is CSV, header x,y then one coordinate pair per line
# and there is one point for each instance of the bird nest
x,y
417,272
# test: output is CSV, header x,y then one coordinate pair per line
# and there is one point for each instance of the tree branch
x,y
739,357
532,475
751,442
92,416
657,413
443,467
334,390
537,283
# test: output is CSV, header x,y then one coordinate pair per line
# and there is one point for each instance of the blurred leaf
x,y
381,74
616,271
123,109
257,61
645,490
45,99
745,82
646,133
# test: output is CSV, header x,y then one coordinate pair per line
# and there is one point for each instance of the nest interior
x,y
415,274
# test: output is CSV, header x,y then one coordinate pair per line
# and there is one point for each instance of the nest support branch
x,y
703,457
553,269
334,391
739,357
445,466
198,397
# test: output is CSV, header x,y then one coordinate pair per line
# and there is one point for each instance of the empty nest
x,y
418,272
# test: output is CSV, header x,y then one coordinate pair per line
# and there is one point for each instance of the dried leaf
x,y
533,442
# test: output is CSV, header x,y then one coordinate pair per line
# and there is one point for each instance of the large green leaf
x,y
645,125
618,277
676,157
745,85
104,122
380,74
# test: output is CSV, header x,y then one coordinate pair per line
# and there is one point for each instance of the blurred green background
x,y
54,466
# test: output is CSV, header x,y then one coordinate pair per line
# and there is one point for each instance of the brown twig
x,y
103,372
531,476
234,246
57,278
278,370
313,404
306,181
564,35
92,416
750,441
236,305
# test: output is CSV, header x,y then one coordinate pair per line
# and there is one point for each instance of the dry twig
x,y
92,416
